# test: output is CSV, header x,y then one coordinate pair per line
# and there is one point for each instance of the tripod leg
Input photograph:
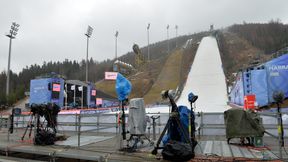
x,y
25,132
31,127
183,131
29,124
154,152
30,131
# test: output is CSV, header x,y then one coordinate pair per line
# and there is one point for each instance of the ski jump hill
x,y
205,79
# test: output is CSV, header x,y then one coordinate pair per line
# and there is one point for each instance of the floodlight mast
x,y
148,48
88,34
176,28
116,35
168,48
12,35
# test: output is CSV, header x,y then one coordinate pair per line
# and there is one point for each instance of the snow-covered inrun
x,y
206,79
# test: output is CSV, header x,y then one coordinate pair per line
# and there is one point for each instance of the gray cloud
x,y
54,29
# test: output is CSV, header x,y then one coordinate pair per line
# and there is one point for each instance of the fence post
x,y
23,125
154,128
201,123
1,121
159,124
98,121
79,130
280,128
76,120
116,122
8,128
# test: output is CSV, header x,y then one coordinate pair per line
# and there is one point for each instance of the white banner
x,y
110,75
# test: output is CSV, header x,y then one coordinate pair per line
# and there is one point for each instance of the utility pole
x,y
88,34
12,35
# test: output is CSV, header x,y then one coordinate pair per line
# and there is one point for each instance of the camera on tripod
x,y
46,128
192,98
178,146
168,93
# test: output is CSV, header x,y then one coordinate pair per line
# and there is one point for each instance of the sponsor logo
x,y
278,67
110,75
274,74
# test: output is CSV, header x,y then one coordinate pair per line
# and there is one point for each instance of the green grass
x,y
167,79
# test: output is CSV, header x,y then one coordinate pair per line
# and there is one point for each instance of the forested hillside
x,y
245,45
71,69
268,37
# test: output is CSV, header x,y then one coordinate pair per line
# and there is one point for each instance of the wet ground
x,y
105,147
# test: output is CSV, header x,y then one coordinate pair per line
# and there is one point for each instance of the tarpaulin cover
x,y
137,121
123,87
174,132
259,86
237,93
241,123
41,94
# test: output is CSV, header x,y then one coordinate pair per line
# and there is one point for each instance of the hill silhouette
x,y
240,45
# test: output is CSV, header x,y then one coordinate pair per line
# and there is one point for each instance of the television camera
x,y
178,146
45,117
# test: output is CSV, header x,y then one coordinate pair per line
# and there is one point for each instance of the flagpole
x,y
66,96
82,97
74,95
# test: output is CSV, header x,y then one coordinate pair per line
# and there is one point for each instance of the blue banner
x,y
262,81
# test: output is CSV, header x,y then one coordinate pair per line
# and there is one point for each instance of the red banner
x,y
56,87
249,101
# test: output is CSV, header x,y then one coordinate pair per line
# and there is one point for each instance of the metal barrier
x,y
104,122
79,124
213,124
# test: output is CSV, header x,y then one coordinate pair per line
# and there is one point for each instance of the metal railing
x,y
78,124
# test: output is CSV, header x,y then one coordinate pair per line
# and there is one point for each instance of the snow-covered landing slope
x,y
206,79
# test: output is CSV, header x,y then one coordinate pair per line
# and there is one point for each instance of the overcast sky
x,y
54,29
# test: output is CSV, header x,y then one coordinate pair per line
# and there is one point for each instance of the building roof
x,y
76,82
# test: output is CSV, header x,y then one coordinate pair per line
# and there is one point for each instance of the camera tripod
x,y
29,125
45,133
174,119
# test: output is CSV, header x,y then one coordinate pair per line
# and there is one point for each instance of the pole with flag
x,y
123,89
66,96
74,88
81,89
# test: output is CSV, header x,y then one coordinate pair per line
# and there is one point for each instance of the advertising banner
x,y
249,101
99,101
277,76
56,87
93,92
110,75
